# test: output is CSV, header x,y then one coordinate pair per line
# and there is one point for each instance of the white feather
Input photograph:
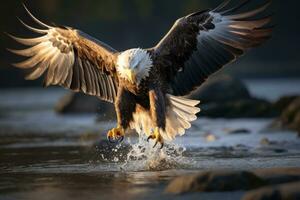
x,y
179,115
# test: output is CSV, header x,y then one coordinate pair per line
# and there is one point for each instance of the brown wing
x,y
201,43
71,59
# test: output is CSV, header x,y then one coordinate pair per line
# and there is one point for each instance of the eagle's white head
x,y
134,65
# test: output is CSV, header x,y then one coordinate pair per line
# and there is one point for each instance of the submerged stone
x,y
290,191
290,114
215,181
78,103
278,175
221,89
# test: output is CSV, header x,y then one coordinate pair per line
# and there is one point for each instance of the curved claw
x,y
157,137
116,135
162,145
121,138
111,140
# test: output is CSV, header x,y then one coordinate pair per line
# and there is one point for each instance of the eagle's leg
x,y
125,106
158,115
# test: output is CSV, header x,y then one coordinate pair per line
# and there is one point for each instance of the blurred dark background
x,y
126,24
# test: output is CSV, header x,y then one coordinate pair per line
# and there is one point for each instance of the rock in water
x,y
227,97
297,123
243,108
290,191
215,181
221,89
238,131
219,181
77,103
278,175
290,114
284,102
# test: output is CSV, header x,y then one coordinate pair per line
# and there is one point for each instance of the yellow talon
x,y
157,137
116,134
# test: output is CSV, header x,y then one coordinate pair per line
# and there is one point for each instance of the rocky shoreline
x,y
260,184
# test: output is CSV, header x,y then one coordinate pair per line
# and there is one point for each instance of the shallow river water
x,y
47,156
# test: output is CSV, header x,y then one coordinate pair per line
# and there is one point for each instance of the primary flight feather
x,y
147,86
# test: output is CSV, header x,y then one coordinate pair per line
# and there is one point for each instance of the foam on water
x,y
143,157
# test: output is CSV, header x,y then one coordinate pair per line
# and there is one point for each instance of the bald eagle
x,y
147,86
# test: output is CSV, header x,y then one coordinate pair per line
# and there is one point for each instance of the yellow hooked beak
x,y
131,76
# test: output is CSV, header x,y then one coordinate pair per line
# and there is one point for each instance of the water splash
x,y
143,157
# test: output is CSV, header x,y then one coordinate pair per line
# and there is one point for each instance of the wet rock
x,y
78,103
290,191
280,150
284,102
267,142
239,131
227,97
272,146
243,108
215,181
290,113
290,116
218,181
296,123
221,89
211,137
278,175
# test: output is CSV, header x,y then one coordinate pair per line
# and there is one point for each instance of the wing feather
x,y
29,41
69,58
203,42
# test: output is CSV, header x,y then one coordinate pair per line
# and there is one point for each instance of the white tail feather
x,y
179,115
183,100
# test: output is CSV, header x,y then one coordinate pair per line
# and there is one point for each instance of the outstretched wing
x,y
71,59
201,43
